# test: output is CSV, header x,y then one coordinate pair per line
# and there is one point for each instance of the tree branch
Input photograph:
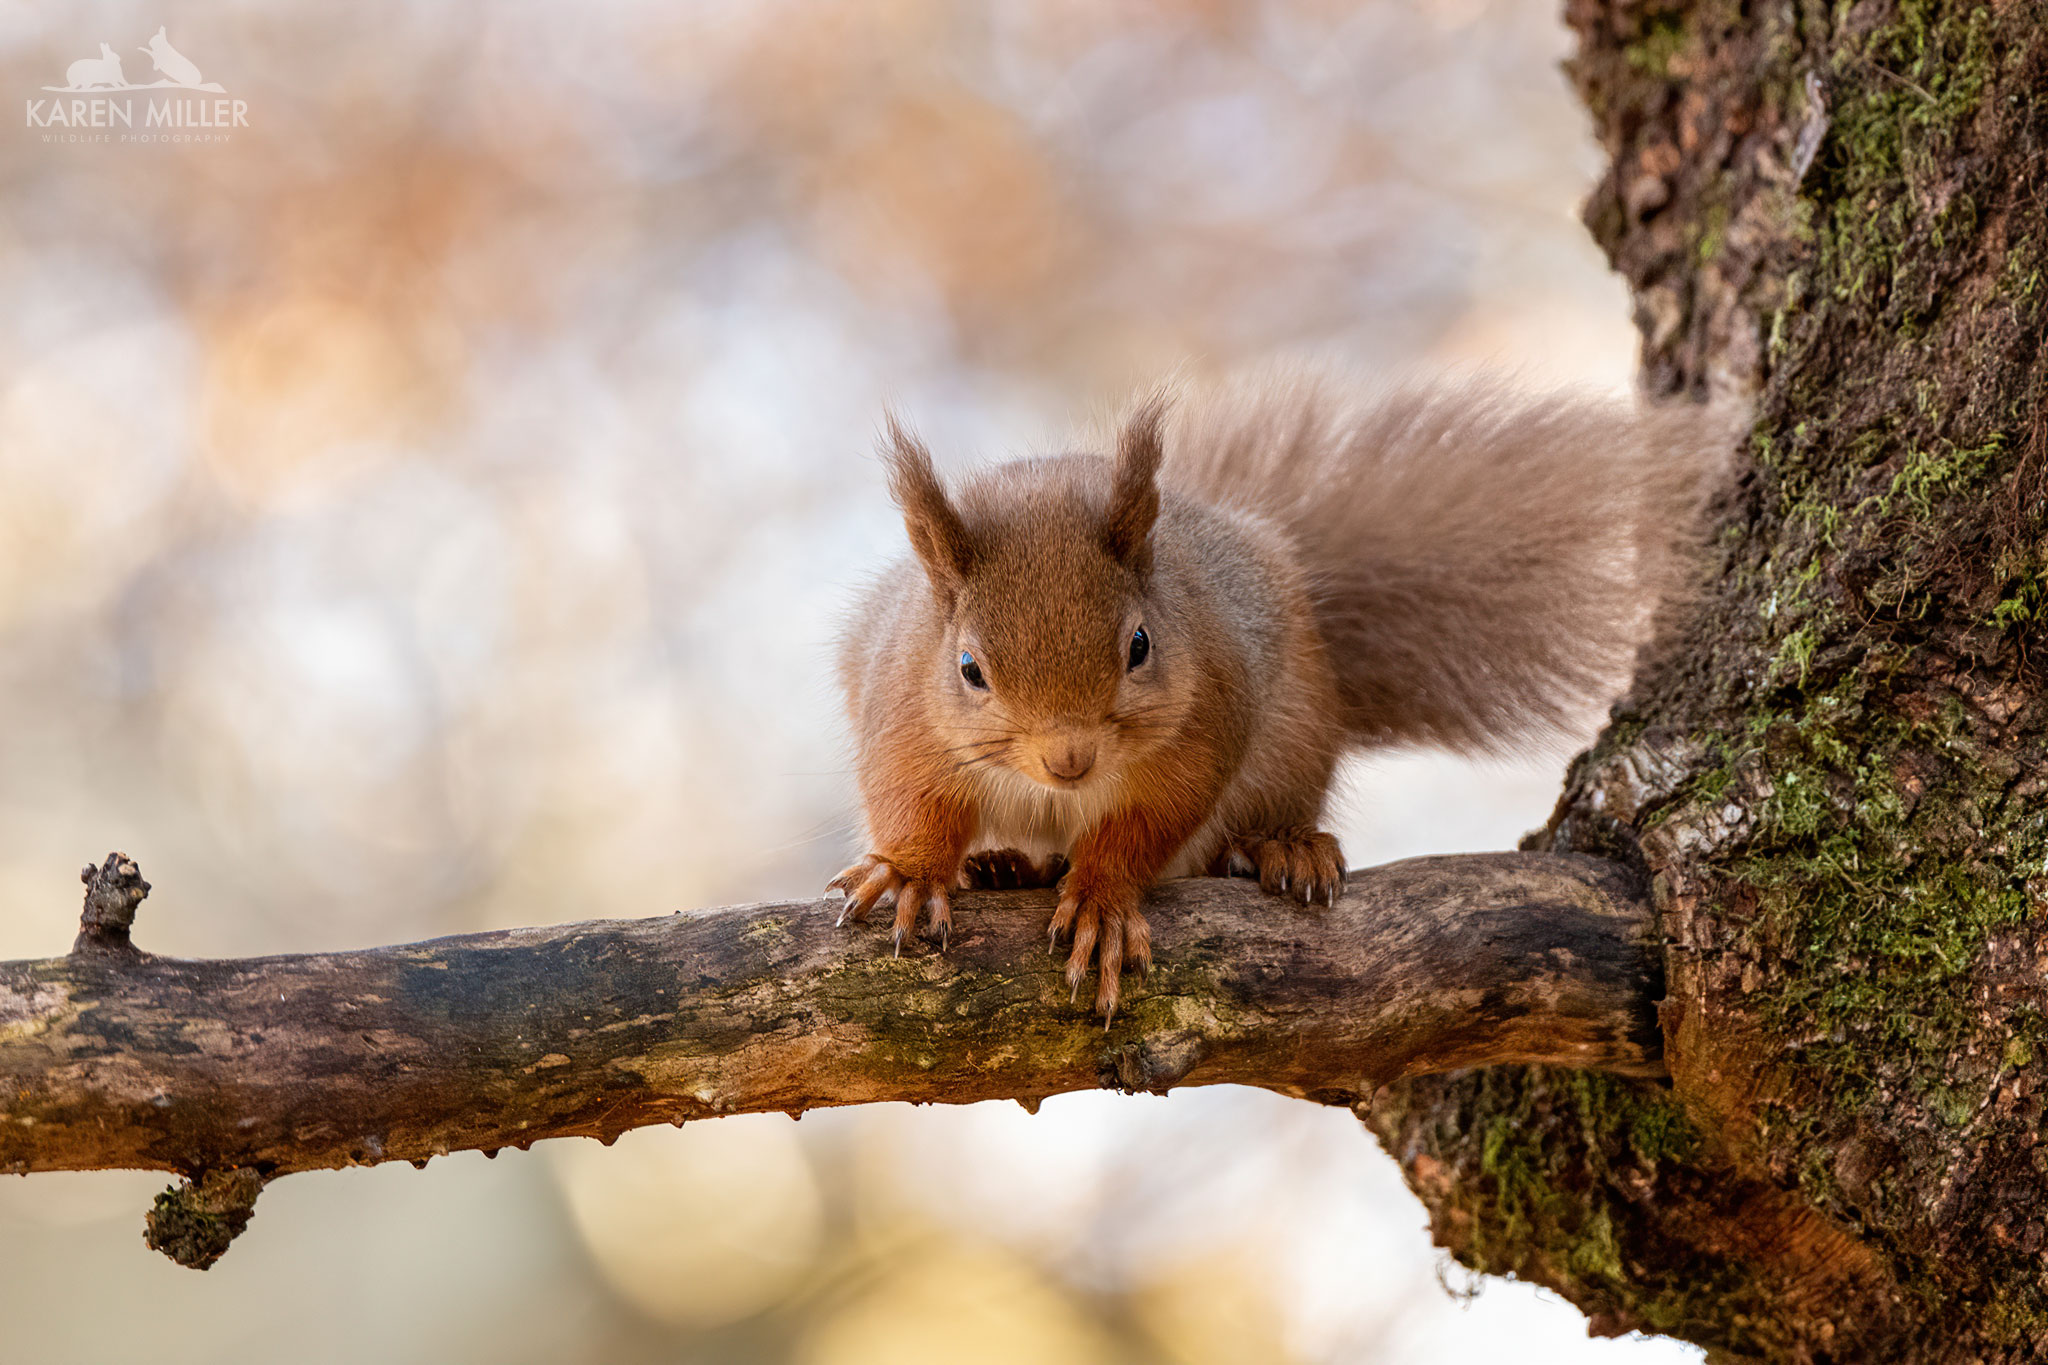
x,y
234,1072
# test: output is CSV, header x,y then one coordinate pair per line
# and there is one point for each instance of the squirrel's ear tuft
x,y
936,531
1134,501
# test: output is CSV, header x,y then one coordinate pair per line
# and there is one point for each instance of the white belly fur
x,y
1040,821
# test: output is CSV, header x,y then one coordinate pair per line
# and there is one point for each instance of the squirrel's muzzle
x,y
1067,758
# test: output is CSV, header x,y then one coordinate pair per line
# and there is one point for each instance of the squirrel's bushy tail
x,y
1486,561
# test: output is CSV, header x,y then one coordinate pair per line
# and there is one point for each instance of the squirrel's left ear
x,y
1134,500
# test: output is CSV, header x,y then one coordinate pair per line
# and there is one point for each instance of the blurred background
x,y
438,496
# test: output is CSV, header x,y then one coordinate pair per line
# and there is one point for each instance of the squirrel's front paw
x,y
1113,925
874,880
1303,863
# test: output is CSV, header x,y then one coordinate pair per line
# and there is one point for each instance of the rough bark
x,y
232,1073
1833,773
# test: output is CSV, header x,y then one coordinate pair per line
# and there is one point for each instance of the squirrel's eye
x,y
1141,646
971,671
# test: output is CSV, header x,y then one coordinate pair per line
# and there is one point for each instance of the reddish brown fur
x,y
1467,567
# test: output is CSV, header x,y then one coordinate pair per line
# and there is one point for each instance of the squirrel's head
x,y
1056,658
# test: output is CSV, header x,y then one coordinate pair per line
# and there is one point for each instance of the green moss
x,y
1795,297
1550,1148
1795,652
194,1223
1596,1255
1523,1166
1713,233
1881,900
2014,1318
1902,96
2019,282
2023,589
1653,53
1823,519
1658,1130
1929,476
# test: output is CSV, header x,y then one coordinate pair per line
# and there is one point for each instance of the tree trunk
x,y
1833,773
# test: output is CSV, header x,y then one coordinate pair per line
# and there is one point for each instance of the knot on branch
x,y
112,891
1151,1065
194,1223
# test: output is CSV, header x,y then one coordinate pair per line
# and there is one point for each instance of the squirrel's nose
x,y
1069,760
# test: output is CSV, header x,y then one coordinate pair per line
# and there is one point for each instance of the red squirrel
x,y
1101,672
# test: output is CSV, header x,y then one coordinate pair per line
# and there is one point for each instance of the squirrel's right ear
x,y
936,531
1134,498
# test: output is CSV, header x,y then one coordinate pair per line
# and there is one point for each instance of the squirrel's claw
x,y
862,885
929,897
1305,864
1110,978
1108,936
875,881
1137,942
1086,929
